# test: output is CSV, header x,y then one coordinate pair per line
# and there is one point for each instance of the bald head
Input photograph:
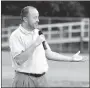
x,y
27,10
30,17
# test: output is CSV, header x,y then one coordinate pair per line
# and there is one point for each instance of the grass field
x,y
60,74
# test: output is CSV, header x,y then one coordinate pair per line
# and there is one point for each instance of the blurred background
x,y
65,25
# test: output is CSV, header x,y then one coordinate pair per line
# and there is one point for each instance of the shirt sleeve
x,y
47,45
15,46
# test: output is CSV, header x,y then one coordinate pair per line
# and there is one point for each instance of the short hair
x,y
25,11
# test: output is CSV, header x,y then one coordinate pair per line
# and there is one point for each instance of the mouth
x,y
36,25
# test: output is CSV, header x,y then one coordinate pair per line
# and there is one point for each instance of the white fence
x,y
57,33
15,20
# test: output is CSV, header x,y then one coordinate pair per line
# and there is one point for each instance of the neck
x,y
25,26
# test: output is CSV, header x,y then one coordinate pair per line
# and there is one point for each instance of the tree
x,y
74,9
67,9
61,8
46,8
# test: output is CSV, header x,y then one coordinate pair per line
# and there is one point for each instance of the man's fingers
x,y
42,37
77,53
85,58
77,57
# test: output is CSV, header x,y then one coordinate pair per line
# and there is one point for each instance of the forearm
x,y
56,56
20,59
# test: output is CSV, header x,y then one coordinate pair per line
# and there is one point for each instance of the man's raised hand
x,y
39,40
77,57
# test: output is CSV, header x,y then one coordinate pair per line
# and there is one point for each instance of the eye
x,y
36,17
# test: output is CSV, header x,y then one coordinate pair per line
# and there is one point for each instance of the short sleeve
x,y
47,45
15,46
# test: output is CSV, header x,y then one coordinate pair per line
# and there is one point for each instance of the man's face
x,y
33,18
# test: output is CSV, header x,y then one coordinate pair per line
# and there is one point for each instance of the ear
x,y
25,19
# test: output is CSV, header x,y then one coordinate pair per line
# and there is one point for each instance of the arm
x,y
19,53
56,56
50,55
21,58
59,57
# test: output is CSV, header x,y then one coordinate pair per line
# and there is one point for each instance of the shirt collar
x,y
24,30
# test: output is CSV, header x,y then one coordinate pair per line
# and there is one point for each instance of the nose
x,y
37,19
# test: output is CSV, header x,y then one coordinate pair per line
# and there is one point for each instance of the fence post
x,y
3,21
49,28
70,36
82,36
61,36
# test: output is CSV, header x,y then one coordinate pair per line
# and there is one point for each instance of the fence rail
x,y
70,32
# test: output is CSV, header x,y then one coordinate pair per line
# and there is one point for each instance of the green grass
x,y
60,74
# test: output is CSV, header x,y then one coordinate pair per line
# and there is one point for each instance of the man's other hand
x,y
77,57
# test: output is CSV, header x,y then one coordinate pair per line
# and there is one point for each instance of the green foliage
x,y
46,8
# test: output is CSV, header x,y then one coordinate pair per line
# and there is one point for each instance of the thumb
x,y
77,53
42,37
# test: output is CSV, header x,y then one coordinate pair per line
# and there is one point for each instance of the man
x,y
29,58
